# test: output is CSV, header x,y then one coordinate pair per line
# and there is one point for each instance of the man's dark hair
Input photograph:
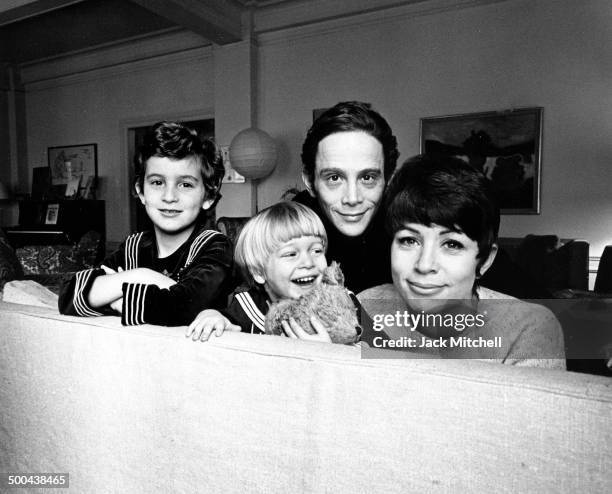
x,y
446,191
345,117
176,141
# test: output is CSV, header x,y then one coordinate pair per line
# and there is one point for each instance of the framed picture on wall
x,y
68,163
505,145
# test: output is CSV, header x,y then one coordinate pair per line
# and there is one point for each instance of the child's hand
x,y
142,275
108,288
108,270
150,277
117,305
208,321
294,330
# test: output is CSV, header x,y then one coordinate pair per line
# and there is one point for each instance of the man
x,y
349,154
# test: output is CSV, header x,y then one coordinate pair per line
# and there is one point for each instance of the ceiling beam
x,y
17,10
219,21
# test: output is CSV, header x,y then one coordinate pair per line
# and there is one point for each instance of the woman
x,y
444,221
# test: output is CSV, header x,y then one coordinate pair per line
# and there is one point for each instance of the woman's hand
x,y
206,322
294,330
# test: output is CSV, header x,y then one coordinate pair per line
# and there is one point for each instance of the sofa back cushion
x,y
553,263
52,259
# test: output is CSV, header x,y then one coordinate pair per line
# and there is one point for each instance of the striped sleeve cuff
x,y
133,309
251,310
83,282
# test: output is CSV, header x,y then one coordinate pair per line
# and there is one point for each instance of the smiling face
x,y
349,180
294,268
173,195
434,263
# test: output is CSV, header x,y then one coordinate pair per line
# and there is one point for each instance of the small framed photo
x,y
72,187
52,214
70,162
505,145
88,187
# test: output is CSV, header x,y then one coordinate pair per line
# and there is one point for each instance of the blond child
x,y
281,253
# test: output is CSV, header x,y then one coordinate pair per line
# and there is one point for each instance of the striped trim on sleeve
x,y
81,307
134,295
198,244
251,310
131,250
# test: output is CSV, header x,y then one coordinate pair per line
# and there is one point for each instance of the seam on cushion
x,y
437,373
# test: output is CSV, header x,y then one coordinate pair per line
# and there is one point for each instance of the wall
x,y
549,53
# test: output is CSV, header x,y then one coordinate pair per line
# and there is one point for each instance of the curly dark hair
x,y
177,141
345,117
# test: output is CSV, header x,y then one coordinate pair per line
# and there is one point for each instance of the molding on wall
x,y
284,15
126,68
272,32
169,47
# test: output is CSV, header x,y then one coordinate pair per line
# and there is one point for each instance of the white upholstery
x,y
143,409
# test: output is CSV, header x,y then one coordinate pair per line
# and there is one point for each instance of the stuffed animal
x,y
330,301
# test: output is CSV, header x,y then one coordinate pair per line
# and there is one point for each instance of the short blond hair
x,y
263,234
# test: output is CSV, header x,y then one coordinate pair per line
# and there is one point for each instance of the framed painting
x,y
69,163
505,145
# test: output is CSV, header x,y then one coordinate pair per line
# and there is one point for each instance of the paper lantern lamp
x,y
252,153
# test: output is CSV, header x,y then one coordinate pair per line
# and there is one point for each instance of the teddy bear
x,y
330,301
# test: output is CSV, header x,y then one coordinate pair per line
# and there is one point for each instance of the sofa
x,y
555,265
49,265
143,409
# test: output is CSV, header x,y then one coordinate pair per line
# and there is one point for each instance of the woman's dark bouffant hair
x,y
446,191
176,141
345,117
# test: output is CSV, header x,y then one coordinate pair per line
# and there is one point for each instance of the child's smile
x,y
295,268
306,280
170,213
